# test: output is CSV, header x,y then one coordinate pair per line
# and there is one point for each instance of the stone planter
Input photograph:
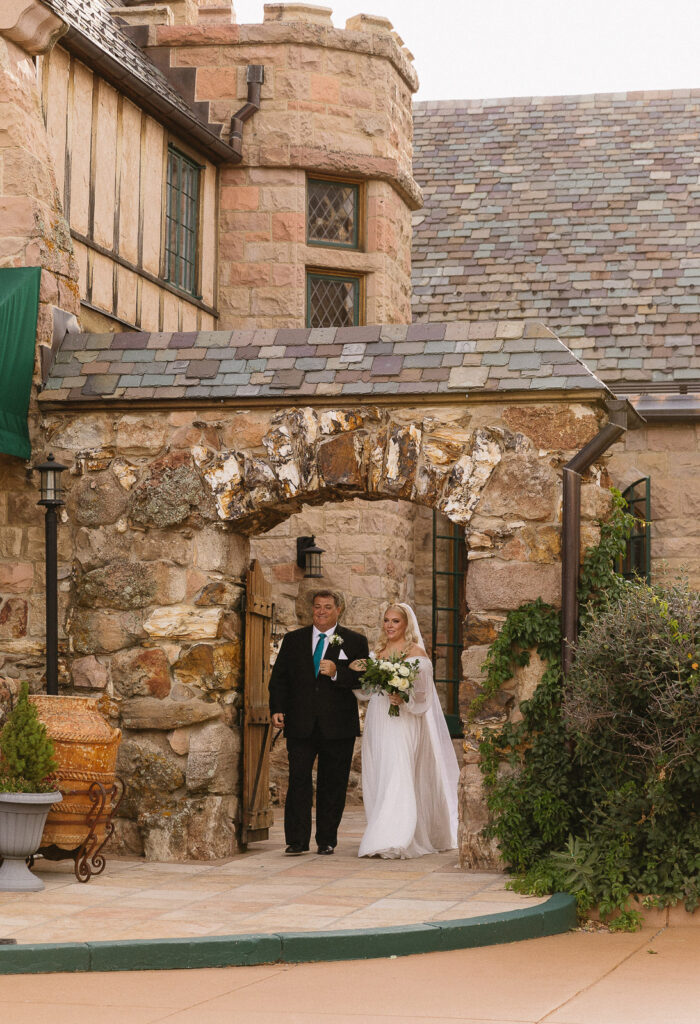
x,y
22,817
85,748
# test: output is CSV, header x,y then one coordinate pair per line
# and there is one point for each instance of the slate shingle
x,y
419,366
579,212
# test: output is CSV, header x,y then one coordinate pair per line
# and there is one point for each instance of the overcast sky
x,y
468,49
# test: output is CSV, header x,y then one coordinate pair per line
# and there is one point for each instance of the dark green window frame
x,y
318,276
330,183
636,562
182,221
449,564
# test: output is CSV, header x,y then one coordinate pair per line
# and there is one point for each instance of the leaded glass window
x,y
332,300
181,221
332,213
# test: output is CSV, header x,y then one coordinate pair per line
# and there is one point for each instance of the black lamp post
x,y
309,557
52,499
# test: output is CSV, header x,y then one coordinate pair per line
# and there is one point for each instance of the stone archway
x,y
161,509
329,455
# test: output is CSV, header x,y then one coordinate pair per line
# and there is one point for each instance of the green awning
x,y
19,306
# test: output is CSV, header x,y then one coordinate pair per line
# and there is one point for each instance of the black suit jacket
x,y
305,699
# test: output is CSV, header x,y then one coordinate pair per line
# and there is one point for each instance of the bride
x,y
409,767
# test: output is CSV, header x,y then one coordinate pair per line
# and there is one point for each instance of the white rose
x,y
402,684
404,671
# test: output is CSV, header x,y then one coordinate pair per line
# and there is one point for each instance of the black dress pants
x,y
334,759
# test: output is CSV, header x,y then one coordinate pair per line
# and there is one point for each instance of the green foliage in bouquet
x,y
27,762
596,791
393,675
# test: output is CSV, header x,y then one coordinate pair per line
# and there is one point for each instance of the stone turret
x,y
335,104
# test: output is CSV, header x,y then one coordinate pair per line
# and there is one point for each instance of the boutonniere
x,y
336,640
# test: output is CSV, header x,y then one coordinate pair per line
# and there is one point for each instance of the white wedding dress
x,y
409,775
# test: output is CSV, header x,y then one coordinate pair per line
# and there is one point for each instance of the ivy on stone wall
x,y
560,821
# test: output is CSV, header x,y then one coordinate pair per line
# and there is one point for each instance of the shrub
x,y
26,753
600,790
631,705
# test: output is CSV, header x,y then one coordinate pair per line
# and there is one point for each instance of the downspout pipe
x,y
255,76
571,524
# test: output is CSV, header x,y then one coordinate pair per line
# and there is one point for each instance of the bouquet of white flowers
x,y
390,675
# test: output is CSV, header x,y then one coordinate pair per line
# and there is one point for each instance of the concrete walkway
x,y
261,891
651,977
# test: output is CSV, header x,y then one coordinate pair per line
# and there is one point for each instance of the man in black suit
x,y
311,698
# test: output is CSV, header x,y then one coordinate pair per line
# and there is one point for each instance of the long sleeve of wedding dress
x,y
417,703
409,775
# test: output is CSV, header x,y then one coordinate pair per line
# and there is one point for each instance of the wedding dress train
x,y
409,775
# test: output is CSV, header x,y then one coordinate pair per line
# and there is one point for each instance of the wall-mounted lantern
x,y
51,498
309,557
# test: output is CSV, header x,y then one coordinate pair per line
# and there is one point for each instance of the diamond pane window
x,y
332,301
181,221
331,215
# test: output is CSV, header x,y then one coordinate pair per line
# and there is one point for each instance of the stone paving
x,y
260,891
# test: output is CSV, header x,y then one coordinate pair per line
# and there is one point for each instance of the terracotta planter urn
x,y
85,748
22,817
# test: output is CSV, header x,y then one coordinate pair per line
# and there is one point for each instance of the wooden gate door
x,y
257,810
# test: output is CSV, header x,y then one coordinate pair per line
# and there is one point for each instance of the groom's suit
x,y
320,720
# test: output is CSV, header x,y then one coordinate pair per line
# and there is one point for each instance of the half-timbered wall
x,y
110,160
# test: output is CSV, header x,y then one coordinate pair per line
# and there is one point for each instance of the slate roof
x,y
582,212
390,360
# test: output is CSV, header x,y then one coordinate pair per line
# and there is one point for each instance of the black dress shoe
x,y
325,850
295,850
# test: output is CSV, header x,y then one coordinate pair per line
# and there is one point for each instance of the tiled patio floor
x,y
260,891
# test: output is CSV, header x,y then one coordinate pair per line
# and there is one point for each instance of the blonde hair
x,y
408,635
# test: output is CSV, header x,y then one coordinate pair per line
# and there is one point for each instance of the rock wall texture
x,y
369,557
33,230
334,102
669,453
160,511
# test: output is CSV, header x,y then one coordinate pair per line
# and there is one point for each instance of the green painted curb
x,y
361,944
45,958
181,954
555,916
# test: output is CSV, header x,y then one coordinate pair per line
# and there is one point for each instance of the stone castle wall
x,y
669,453
374,552
369,557
33,232
155,542
334,102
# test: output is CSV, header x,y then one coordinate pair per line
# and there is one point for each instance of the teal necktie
x,y
318,652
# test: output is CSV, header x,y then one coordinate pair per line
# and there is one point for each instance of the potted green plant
x,y
27,791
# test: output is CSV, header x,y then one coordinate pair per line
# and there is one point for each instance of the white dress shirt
x,y
314,639
316,633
